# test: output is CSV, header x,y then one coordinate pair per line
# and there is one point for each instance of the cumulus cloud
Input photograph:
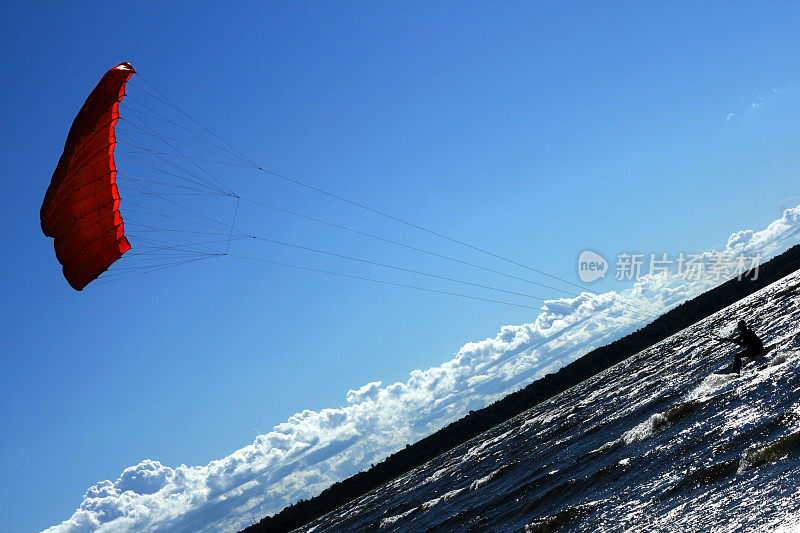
x,y
367,392
313,449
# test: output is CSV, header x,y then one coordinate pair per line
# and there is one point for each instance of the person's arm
x,y
732,340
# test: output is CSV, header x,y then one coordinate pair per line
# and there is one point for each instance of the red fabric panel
x,y
81,206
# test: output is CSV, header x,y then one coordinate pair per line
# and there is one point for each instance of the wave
x,y
701,477
437,475
478,483
758,455
607,446
710,385
390,521
526,489
784,357
444,497
659,421
556,522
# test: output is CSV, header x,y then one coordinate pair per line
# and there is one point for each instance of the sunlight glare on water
x,y
662,441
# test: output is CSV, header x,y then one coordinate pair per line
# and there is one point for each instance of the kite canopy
x,y
81,206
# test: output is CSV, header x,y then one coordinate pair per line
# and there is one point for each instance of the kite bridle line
x,y
234,153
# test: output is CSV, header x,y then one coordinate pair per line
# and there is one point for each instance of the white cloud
x,y
367,392
311,450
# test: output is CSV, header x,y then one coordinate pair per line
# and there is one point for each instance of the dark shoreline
x,y
476,422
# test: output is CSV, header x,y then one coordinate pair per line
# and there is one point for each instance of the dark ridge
x,y
476,422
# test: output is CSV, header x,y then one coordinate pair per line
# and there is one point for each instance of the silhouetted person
x,y
746,338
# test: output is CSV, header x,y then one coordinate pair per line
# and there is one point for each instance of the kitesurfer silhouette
x,y
747,339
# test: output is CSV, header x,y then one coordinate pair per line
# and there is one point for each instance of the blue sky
x,y
532,130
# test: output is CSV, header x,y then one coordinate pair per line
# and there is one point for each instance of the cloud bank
x,y
314,449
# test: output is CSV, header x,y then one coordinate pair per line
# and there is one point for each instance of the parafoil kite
x,y
176,206
81,206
